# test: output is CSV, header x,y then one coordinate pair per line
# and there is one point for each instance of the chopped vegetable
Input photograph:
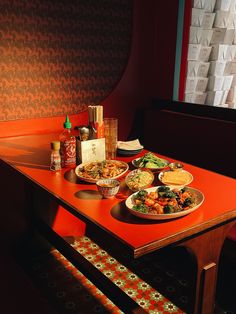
x,y
141,195
169,194
163,188
141,208
168,209
187,202
149,160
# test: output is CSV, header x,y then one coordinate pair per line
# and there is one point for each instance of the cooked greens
x,y
141,195
142,208
149,160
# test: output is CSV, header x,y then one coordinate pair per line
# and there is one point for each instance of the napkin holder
x,y
91,150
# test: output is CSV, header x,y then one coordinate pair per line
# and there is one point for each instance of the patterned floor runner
x,y
70,291
152,281
141,279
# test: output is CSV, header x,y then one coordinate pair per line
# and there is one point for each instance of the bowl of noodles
x,y
96,170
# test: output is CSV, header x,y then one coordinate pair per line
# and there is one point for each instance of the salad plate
x,y
196,195
151,162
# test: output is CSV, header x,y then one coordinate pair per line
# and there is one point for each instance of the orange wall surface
x,y
149,72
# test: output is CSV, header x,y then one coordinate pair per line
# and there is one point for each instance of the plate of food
x,y
151,162
97,170
178,177
139,179
164,202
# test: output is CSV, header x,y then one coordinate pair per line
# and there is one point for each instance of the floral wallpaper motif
x,y
57,57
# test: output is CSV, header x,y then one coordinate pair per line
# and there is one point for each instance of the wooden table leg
x,y
206,249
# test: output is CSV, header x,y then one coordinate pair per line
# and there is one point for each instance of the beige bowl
x,y
108,187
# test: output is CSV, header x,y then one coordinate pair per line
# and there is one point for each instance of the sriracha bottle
x,y
68,146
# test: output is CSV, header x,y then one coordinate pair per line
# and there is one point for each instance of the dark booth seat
x,y
200,135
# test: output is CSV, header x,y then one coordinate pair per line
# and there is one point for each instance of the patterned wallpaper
x,y
57,57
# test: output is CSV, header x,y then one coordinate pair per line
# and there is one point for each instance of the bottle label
x,y
68,152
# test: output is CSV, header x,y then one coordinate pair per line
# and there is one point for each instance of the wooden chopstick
x,y
95,114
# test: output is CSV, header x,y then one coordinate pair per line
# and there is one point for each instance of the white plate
x,y
175,172
199,197
152,169
91,180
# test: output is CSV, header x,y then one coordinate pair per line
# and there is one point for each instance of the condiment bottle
x,y
55,164
68,146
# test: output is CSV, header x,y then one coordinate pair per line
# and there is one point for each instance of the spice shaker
x,y
55,163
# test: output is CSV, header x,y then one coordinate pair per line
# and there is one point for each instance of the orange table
x,y
202,231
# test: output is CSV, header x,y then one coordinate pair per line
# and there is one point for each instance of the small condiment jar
x,y
83,132
55,164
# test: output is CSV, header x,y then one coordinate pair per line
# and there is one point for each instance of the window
x,y
211,56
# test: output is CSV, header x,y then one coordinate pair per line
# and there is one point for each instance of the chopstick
x,y
95,115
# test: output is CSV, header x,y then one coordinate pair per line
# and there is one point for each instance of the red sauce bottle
x,y
68,146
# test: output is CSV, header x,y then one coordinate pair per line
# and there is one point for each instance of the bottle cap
x,y
55,145
67,123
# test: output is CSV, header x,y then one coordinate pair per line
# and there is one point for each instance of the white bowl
x,y
108,187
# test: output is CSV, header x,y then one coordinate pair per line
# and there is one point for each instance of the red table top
x,y
30,155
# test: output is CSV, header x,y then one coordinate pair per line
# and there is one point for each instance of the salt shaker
x,y
55,164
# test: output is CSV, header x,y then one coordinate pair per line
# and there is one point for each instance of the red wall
x,y
149,72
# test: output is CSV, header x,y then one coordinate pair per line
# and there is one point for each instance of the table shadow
x,y
88,195
71,177
28,156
